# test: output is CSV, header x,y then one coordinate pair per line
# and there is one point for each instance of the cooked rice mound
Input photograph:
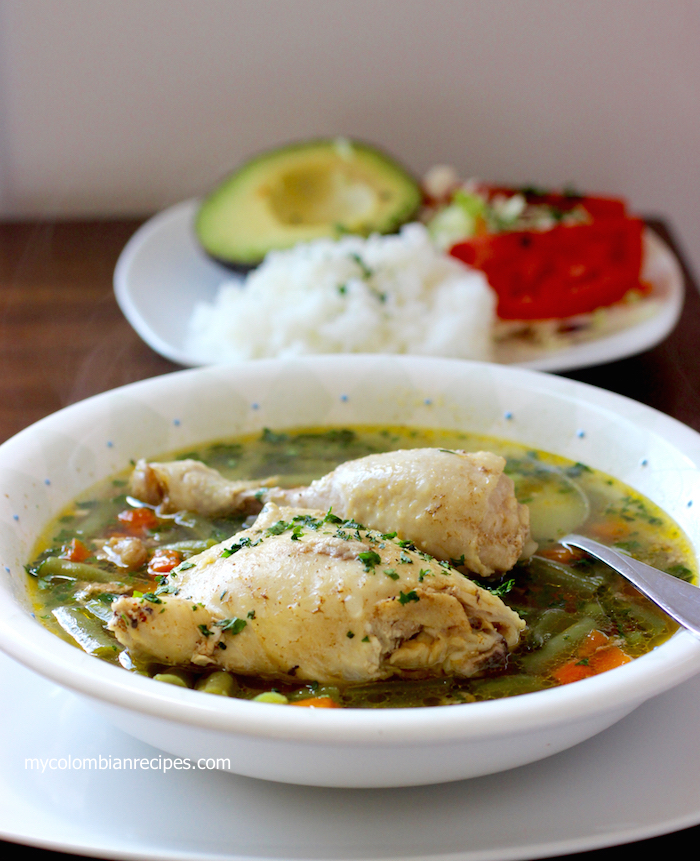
x,y
383,294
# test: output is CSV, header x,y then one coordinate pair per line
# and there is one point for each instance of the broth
x,y
581,617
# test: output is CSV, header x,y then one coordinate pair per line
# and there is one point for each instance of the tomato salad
x,y
547,255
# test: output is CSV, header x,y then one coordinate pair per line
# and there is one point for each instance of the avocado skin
x,y
253,210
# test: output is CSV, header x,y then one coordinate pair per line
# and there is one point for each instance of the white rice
x,y
384,294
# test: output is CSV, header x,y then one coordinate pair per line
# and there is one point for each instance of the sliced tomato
x,y
558,273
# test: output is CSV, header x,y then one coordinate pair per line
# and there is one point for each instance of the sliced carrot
x,y
163,561
595,655
594,641
574,671
75,551
317,703
608,658
560,553
138,520
612,529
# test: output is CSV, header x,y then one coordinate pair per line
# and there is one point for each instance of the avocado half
x,y
301,192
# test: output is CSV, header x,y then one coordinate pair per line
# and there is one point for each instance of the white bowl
x,y
47,465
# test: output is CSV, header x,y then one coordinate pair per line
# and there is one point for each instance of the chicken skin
x,y
305,595
457,506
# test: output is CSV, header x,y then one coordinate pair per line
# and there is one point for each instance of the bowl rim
x,y
25,640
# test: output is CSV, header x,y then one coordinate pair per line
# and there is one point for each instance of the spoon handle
x,y
680,599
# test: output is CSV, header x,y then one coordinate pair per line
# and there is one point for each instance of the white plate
x,y
162,274
646,765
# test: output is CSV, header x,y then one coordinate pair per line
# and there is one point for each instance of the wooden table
x,y
63,338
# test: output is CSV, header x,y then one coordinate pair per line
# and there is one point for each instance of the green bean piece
x,y
219,682
507,686
87,631
331,691
99,609
190,547
57,566
559,647
173,676
648,618
585,585
551,622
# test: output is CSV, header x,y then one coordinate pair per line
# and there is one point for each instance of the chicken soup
x,y
356,567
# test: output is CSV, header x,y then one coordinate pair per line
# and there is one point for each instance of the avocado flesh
x,y
304,192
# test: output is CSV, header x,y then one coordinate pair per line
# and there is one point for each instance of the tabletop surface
x,y
63,338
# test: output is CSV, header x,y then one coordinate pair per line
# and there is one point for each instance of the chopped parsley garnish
x,y
232,626
246,541
503,588
405,597
405,544
183,566
277,528
366,271
370,559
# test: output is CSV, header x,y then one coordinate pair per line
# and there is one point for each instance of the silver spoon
x,y
681,600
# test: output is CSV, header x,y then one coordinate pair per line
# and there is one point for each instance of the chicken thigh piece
x,y
459,507
304,596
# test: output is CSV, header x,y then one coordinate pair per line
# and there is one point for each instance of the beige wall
x,y
126,106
